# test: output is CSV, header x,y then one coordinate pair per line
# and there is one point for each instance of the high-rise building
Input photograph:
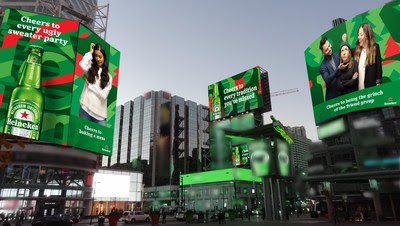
x,y
298,130
300,149
162,135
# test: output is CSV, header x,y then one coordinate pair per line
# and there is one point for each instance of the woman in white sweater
x,y
98,83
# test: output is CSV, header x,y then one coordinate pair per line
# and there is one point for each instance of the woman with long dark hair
x,y
98,83
368,56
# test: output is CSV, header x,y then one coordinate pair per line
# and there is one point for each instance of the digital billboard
x,y
216,176
237,94
240,155
58,82
262,157
222,146
282,151
111,185
355,65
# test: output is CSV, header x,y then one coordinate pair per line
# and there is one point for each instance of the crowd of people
x,y
19,217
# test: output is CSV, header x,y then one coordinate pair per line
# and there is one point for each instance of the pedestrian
x,y
263,213
6,222
113,217
335,215
248,214
241,214
164,217
18,223
101,219
219,217
207,216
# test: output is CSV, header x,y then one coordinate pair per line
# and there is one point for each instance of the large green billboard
x,y
235,95
216,176
356,65
229,150
262,157
58,82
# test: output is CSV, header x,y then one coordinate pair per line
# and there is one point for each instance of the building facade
x,y
161,135
300,149
358,166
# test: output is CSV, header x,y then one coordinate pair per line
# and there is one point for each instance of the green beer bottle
x,y
237,156
216,103
25,111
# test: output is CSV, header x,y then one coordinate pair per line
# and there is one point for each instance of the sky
x,y
182,46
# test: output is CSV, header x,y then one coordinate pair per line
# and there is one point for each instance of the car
x,y
75,218
52,221
180,216
257,212
135,216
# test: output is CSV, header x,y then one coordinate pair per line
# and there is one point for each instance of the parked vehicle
x,y
135,216
52,221
180,216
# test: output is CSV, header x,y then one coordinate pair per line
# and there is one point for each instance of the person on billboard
x,y
347,81
329,68
98,83
368,56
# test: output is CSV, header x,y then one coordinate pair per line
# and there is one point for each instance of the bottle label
x,y
217,112
24,119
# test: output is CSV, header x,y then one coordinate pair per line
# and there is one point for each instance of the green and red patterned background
x,y
64,43
385,24
238,94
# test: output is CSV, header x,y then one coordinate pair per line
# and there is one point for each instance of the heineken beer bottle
x,y
216,103
25,110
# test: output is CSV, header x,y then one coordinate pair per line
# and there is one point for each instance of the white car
x,y
135,216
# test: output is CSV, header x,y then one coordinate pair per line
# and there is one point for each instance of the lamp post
x,y
94,193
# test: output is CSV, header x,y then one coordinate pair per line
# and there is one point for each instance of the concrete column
x,y
275,201
282,198
267,199
393,209
329,204
378,206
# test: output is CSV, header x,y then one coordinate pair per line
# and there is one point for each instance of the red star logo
x,y
24,115
390,99
34,59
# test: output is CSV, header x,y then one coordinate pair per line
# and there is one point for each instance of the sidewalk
x,y
255,220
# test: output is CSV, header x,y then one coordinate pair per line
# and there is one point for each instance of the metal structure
x,y
88,12
284,92
46,179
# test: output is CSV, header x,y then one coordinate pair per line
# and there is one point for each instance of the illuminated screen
x,y
355,75
215,176
235,95
221,144
240,155
49,86
119,186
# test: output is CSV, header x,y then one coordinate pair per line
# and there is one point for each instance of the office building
x,y
161,135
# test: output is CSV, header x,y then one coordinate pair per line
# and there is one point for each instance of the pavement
x,y
255,220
